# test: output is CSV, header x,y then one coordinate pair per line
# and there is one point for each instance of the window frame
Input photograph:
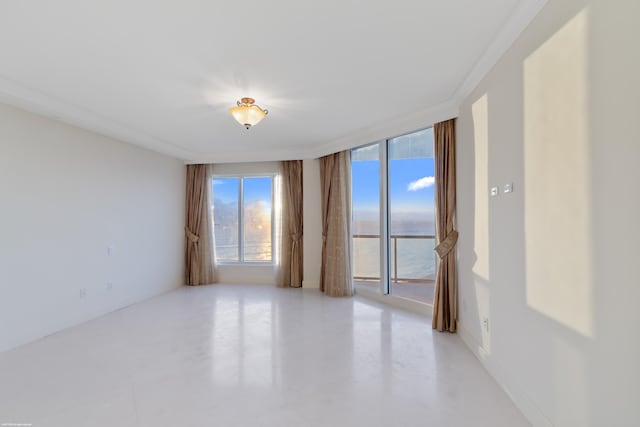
x,y
241,177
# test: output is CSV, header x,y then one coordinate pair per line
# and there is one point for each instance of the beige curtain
x,y
444,304
199,255
291,256
335,181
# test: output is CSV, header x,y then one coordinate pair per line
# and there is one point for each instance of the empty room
x,y
330,213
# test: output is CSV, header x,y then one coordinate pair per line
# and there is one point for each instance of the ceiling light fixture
x,y
247,113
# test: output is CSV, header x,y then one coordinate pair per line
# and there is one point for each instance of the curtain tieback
x,y
324,237
193,238
447,244
296,236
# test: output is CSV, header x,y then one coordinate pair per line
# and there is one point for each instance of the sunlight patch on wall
x,y
557,178
480,113
480,268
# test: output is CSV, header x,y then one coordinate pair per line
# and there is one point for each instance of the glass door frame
x,y
385,260
384,206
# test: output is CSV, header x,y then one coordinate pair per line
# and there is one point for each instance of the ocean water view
x,y
257,232
411,240
416,258
257,246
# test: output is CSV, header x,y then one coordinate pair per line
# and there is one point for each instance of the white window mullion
x,y
273,216
241,219
384,218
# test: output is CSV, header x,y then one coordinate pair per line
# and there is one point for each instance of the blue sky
x,y
226,189
255,189
411,172
410,185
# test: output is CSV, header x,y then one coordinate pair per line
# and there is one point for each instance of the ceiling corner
x,y
37,102
517,23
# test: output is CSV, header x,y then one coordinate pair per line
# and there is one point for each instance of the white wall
x,y
66,195
553,266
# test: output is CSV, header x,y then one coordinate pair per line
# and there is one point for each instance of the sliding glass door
x,y
393,216
365,195
412,216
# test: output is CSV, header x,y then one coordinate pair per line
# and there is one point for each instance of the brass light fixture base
x,y
247,113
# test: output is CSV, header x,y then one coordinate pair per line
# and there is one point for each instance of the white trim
x,y
38,102
401,126
310,284
241,177
517,23
245,263
240,220
383,217
522,400
46,105
252,156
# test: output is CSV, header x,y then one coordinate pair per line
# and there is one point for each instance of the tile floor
x,y
235,355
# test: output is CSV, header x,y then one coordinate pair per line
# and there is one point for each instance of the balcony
x,y
412,269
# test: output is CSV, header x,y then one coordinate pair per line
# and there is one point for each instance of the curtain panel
x,y
199,252
335,181
291,253
444,304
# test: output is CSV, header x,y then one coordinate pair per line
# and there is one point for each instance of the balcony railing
x,y
417,261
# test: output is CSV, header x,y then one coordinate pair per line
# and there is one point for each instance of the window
x,y
243,219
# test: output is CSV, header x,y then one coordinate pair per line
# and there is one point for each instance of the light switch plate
x,y
508,188
494,191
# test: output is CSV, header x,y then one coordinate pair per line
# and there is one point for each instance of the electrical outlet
x,y
494,191
109,286
485,324
83,293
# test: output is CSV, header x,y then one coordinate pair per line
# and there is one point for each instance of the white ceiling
x,y
333,74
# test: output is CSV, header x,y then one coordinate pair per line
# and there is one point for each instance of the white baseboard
x,y
521,399
310,284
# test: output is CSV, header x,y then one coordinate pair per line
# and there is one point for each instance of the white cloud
x,y
421,183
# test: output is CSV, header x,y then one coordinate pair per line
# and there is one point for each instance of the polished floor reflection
x,y
235,355
421,291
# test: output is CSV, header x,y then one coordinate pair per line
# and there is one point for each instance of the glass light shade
x,y
248,115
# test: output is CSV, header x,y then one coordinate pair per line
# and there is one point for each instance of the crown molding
x,y
38,102
402,125
17,95
516,24
506,37
249,156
